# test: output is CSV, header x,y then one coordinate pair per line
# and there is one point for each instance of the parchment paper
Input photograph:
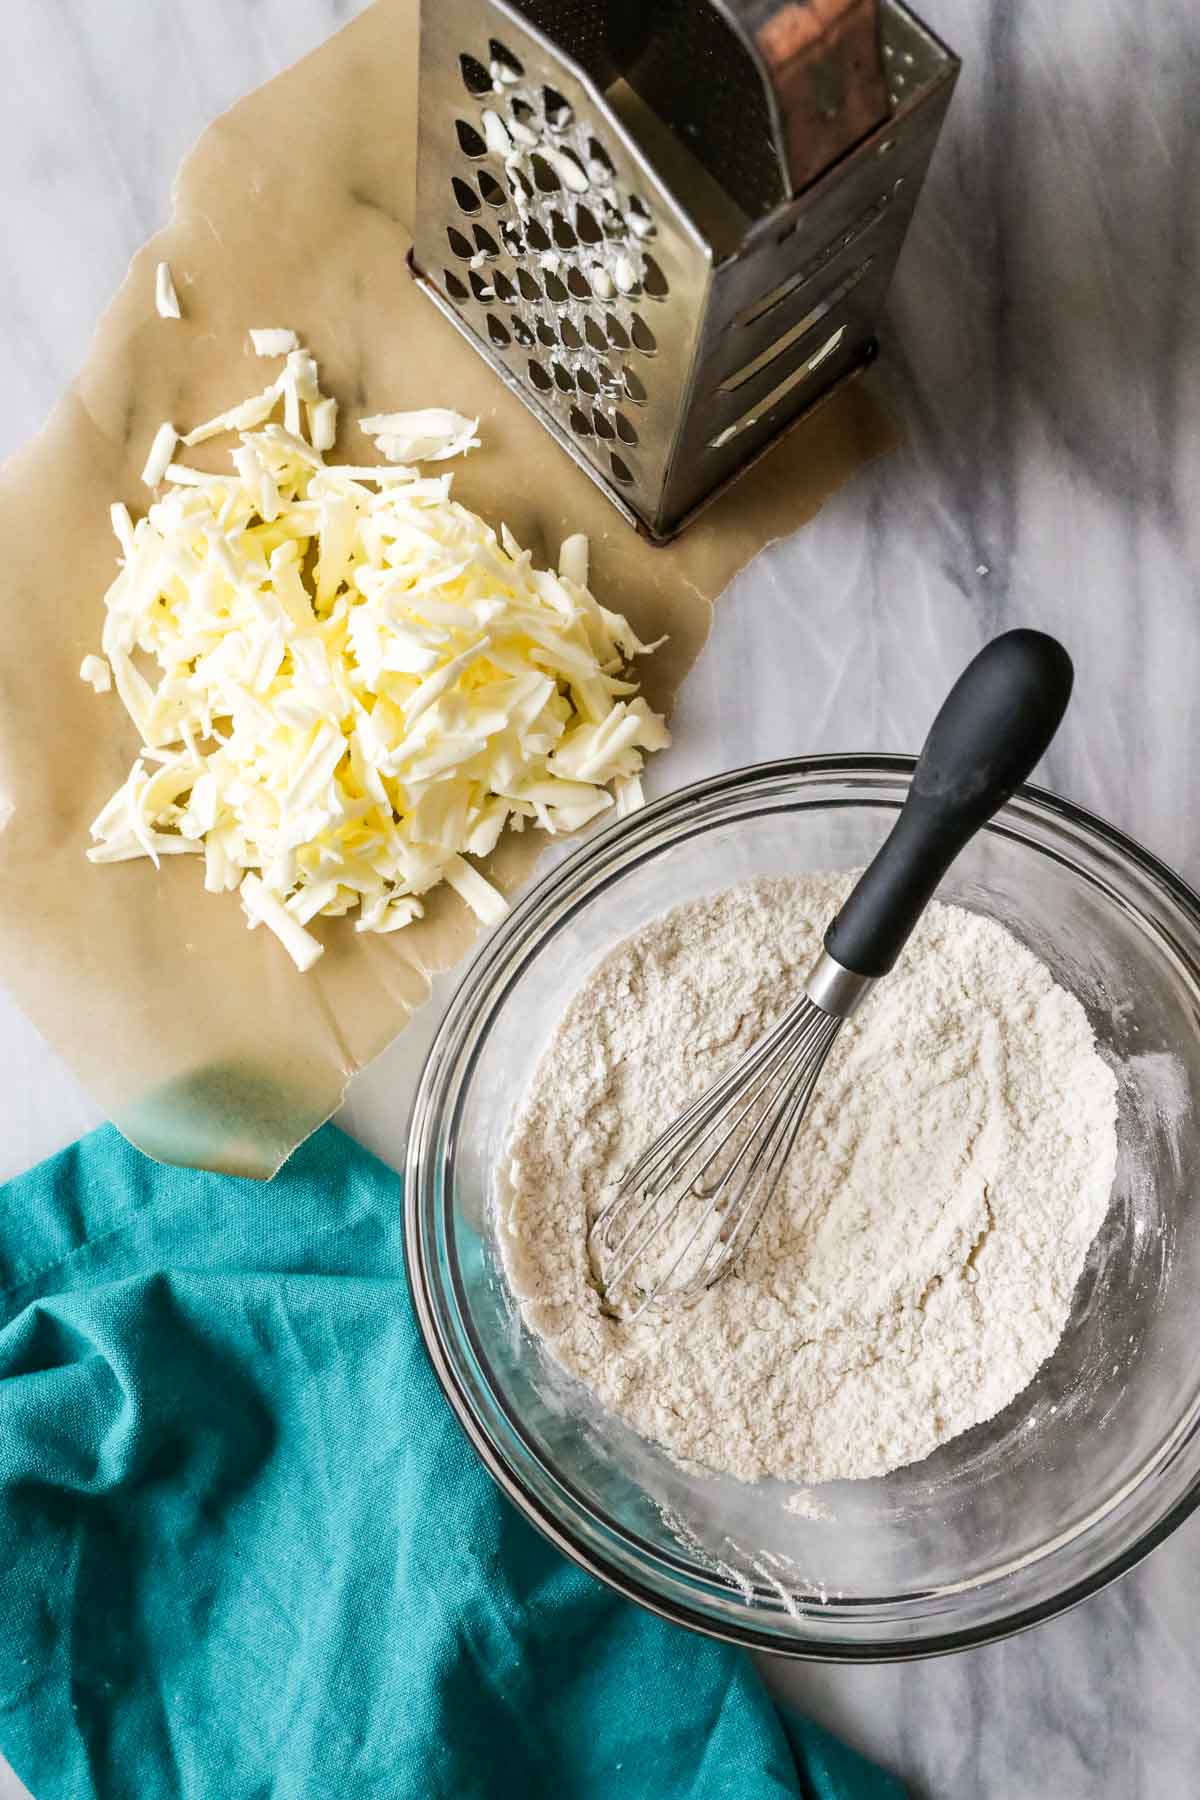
x,y
199,1037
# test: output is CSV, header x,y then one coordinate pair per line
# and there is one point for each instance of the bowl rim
x,y
513,933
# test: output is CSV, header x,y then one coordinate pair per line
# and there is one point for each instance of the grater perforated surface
x,y
664,329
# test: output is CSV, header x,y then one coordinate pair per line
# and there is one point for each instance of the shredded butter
x,y
346,683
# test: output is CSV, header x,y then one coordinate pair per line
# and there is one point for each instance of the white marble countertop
x,y
1044,366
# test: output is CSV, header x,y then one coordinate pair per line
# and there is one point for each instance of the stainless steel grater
x,y
670,224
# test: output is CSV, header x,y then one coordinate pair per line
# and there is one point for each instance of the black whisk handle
x,y
994,727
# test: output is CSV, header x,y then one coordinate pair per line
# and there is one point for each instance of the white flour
x,y
918,1260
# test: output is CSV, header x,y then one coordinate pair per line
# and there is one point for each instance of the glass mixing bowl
x,y
1088,1469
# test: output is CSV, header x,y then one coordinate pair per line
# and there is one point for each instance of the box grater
x,y
670,224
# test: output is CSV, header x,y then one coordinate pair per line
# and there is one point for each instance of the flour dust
x,y
917,1263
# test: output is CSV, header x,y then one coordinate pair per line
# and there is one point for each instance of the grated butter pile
x,y
358,684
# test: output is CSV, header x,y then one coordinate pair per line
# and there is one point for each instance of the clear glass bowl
x,y
1088,1469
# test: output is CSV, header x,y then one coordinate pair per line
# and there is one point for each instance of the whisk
x,y
683,1214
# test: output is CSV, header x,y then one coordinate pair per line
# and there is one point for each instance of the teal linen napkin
x,y
246,1553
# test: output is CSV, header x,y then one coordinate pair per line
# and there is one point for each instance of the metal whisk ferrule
x,y
721,1159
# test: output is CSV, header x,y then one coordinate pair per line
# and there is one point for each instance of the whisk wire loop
x,y
725,1153
685,1139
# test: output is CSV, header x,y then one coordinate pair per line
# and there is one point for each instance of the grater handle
x,y
822,65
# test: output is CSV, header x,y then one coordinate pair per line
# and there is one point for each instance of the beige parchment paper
x,y
199,1037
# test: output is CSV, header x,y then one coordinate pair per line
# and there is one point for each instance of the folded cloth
x,y
245,1550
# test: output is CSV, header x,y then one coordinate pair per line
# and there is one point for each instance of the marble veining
x,y
1043,368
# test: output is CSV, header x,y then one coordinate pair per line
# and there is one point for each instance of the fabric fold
x,y
246,1551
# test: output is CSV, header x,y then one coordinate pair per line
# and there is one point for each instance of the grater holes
x,y
544,176
626,277
654,281
587,226
570,170
640,220
569,249
523,125
561,232
798,330
644,338
476,79
613,221
764,407
776,296
505,66
558,110
600,162
469,140
496,134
